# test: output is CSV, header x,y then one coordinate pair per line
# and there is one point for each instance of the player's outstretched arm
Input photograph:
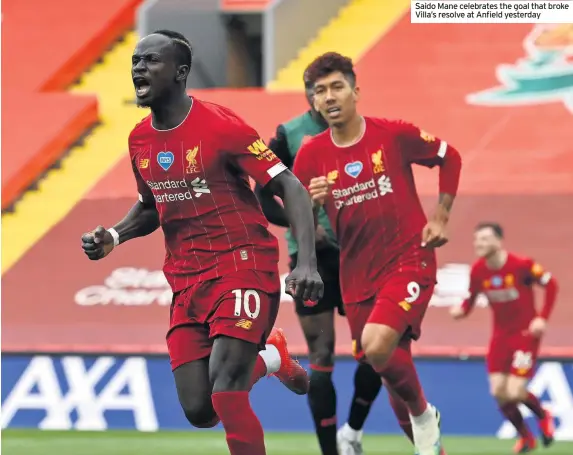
x,y
141,220
304,281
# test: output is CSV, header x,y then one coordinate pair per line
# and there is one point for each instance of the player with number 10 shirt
x,y
191,160
360,170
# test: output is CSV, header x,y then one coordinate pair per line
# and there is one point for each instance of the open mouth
x,y
142,86
333,111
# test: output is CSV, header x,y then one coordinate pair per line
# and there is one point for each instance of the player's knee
x,y
516,393
229,380
320,340
378,343
322,357
513,396
200,413
200,422
235,375
499,392
231,364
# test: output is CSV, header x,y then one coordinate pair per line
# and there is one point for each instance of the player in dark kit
x,y
360,171
191,162
507,282
317,321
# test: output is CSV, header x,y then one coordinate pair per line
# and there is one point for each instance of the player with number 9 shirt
x,y
507,282
360,171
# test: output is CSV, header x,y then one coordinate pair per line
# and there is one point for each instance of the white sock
x,y
272,358
425,417
350,433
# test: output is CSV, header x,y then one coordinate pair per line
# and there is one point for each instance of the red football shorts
x,y
514,354
401,303
241,305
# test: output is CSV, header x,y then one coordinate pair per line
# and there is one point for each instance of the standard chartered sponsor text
x,y
195,188
360,192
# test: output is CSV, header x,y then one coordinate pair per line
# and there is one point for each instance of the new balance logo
x,y
384,185
200,187
244,324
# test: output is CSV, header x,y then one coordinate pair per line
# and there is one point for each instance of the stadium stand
x,y
414,72
83,344
44,60
357,27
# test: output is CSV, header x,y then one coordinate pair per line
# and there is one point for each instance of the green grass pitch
x,y
33,442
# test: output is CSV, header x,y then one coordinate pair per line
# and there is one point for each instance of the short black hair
x,y
308,84
183,47
495,227
329,63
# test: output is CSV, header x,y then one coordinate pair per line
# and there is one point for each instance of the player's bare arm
x,y
435,233
272,210
141,220
304,282
276,214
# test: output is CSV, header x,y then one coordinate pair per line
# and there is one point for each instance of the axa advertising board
x,y
112,392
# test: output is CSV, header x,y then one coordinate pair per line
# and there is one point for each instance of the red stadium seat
x,y
39,58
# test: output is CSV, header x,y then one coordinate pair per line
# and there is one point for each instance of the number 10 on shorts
x,y
245,300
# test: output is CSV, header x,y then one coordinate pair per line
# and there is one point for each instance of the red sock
x,y
511,413
400,374
244,431
533,403
401,413
259,371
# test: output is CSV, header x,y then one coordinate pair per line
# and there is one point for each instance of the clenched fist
x,y
319,190
305,283
98,243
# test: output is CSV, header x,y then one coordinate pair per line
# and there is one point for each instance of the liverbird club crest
x,y
191,158
544,75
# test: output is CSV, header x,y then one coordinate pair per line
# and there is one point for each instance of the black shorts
x,y
328,267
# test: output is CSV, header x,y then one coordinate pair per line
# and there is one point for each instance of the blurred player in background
x,y
360,171
317,321
507,281
191,159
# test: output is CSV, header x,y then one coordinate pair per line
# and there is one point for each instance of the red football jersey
x,y
509,291
373,206
197,176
